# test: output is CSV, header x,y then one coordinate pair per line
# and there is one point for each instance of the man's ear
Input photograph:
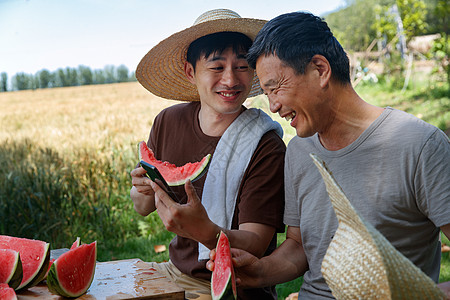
x,y
322,65
189,71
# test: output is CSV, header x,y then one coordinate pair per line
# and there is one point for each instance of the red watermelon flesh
x,y
34,254
76,243
72,273
10,268
172,174
223,282
6,292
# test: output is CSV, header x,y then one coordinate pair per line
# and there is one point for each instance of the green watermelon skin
x,y
11,271
74,268
223,282
35,257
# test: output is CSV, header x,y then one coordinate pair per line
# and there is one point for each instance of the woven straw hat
x,y
161,70
360,263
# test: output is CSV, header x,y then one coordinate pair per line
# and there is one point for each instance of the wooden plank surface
x,y
114,280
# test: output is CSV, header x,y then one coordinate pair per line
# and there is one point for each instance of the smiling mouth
x,y
290,116
228,94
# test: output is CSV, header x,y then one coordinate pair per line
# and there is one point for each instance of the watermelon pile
x,y
223,281
172,174
24,263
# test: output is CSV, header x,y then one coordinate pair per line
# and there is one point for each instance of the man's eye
x,y
242,68
216,68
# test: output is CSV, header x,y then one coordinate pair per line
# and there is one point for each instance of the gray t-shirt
x,y
396,175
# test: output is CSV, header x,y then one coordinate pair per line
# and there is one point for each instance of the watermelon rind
x,y
75,244
15,272
54,281
223,265
166,168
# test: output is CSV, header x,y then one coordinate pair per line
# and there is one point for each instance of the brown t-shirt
x,y
176,137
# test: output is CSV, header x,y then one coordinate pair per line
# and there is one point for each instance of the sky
x,y
53,34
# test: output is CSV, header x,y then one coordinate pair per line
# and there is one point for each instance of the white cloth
x,y
228,165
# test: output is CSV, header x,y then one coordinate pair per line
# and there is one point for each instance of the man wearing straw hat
x,y
242,193
394,167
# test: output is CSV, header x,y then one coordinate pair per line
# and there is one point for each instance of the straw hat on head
x,y
360,263
161,70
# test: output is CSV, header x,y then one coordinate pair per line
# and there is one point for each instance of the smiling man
x,y
242,193
394,167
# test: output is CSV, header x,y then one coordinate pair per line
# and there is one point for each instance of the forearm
x,y
290,261
143,204
251,237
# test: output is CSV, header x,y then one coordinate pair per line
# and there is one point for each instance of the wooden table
x,y
122,279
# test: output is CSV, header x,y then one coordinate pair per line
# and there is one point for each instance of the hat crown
x,y
216,14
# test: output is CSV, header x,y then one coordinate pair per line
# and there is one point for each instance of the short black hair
x,y
217,43
295,38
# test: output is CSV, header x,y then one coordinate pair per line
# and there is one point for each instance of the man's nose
x,y
274,105
229,78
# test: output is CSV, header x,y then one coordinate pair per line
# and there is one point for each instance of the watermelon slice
x,y
76,243
11,271
172,174
223,281
6,292
35,257
72,273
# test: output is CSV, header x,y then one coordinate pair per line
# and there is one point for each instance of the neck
x,y
350,116
213,123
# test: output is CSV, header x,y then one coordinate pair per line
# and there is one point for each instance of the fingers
x,y
162,197
138,172
190,192
210,265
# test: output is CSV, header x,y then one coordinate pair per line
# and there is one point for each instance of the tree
x,y
352,26
109,72
72,76
122,74
44,77
413,13
3,82
61,78
22,81
99,77
85,75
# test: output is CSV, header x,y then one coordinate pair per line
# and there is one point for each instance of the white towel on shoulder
x,y
228,165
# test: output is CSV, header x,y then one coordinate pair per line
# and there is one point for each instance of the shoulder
x,y
271,140
408,124
178,109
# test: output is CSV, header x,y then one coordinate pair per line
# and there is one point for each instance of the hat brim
x,y
161,70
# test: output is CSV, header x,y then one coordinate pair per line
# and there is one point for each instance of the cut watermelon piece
x,y
6,292
223,281
172,174
35,257
76,243
11,271
72,273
